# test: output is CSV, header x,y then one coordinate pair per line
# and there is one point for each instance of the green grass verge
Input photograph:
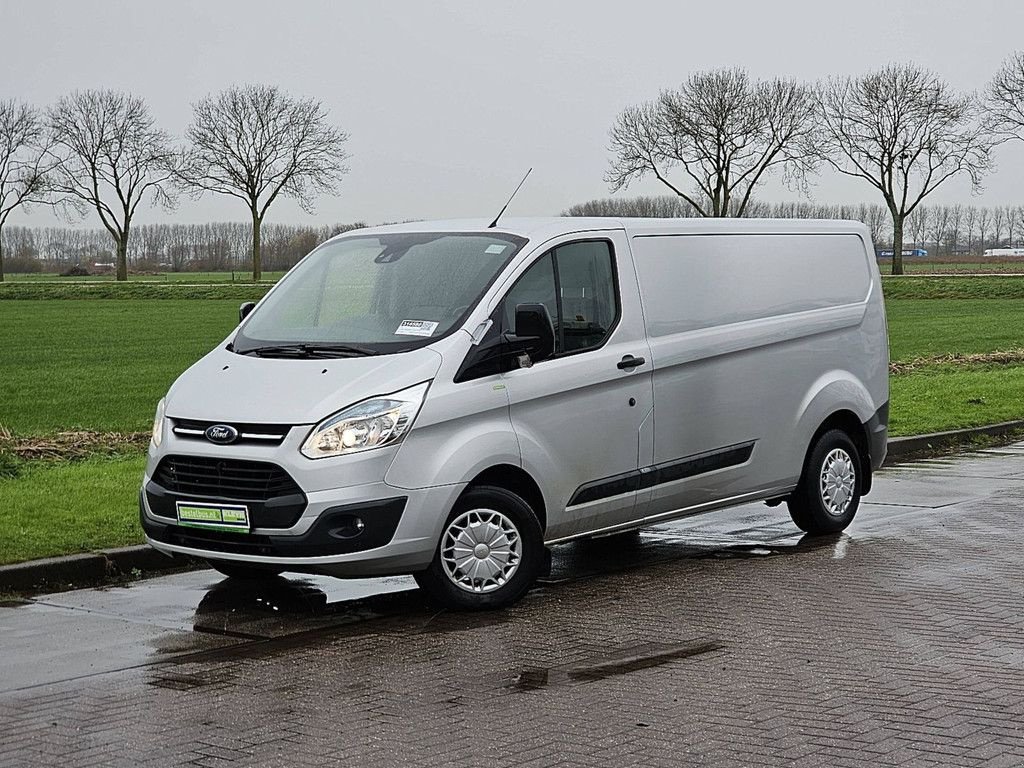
x,y
62,508
99,365
947,398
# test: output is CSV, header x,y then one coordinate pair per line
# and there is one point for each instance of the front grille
x,y
224,478
254,434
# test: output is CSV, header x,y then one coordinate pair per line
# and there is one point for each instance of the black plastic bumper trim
x,y
878,435
331,534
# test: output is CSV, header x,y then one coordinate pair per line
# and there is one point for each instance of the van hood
x,y
224,386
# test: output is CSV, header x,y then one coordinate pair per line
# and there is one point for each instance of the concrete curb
x,y
88,569
112,565
899,448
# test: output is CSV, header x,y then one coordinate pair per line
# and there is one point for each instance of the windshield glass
x,y
375,294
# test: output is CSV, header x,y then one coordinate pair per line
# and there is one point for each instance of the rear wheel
x,y
828,495
236,570
490,553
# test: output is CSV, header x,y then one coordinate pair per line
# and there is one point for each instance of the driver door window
x,y
576,282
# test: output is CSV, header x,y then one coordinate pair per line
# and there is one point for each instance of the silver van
x,y
447,399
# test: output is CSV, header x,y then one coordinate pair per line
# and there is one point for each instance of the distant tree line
x,y
900,129
944,230
219,246
100,152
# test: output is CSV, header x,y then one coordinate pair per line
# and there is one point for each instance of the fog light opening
x,y
347,527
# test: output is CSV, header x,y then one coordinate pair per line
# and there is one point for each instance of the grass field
x,y
101,363
928,327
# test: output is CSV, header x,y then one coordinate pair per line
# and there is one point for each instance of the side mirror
x,y
534,331
245,309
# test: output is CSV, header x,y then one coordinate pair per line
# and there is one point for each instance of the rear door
x,y
579,414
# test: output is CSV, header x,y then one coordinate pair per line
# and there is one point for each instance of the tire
x,y
828,495
236,570
503,571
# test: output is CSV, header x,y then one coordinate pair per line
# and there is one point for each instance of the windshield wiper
x,y
309,350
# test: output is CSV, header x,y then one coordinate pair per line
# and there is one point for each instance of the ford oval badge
x,y
221,434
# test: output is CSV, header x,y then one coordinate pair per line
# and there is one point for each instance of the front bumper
x,y
402,528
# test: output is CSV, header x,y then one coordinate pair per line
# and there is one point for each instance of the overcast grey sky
x,y
449,102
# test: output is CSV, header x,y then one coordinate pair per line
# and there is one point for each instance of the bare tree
x,y
1011,226
970,224
956,221
939,225
258,143
23,162
998,222
874,216
724,132
1006,99
110,157
905,132
917,224
984,221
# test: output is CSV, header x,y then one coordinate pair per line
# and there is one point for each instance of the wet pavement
x,y
725,639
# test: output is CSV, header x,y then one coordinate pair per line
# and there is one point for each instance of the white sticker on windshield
x,y
496,248
416,328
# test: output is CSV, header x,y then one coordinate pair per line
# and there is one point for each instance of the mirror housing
x,y
245,309
534,332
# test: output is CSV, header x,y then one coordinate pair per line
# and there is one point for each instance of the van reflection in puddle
x,y
275,595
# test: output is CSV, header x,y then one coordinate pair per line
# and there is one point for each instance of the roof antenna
x,y
494,223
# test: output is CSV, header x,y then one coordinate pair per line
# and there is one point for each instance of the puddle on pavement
x,y
623,662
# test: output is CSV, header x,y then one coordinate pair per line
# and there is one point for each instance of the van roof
x,y
547,227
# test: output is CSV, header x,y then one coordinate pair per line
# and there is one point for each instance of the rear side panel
x,y
755,339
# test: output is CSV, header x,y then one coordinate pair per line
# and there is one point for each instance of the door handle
x,y
628,362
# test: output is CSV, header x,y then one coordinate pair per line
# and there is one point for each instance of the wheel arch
x,y
518,481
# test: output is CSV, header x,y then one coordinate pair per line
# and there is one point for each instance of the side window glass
x,y
587,286
536,286
576,282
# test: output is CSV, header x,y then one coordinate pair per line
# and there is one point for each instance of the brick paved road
x,y
726,640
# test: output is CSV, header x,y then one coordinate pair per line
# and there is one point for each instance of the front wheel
x,y
490,553
828,495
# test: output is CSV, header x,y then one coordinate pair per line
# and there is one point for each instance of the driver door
x,y
583,416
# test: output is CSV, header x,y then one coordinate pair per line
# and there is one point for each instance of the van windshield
x,y
376,294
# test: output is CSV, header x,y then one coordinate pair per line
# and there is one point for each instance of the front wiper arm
x,y
309,350
338,350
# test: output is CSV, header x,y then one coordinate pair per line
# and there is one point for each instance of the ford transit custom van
x,y
449,399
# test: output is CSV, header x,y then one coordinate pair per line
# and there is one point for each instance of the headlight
x,y
370,424
158,424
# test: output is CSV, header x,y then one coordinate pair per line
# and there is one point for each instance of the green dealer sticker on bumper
x,y
222,517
